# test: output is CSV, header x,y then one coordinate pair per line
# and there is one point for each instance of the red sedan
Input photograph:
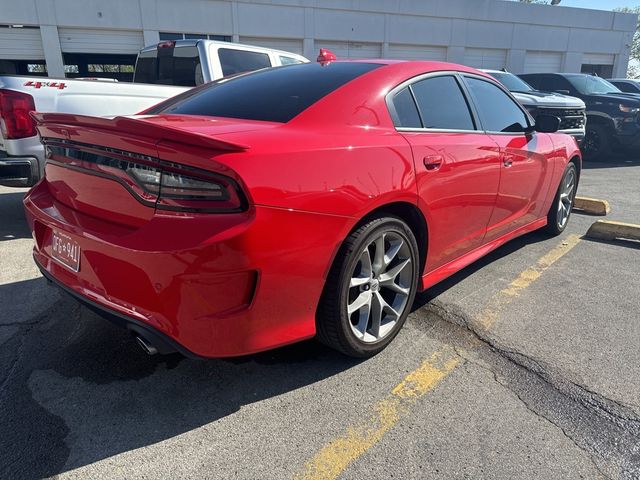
x,y
308,200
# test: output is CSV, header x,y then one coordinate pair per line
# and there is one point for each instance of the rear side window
x,y
498,112
235,61
406,112
442,104
273,95
169,66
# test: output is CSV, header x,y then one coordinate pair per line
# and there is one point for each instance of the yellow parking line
x,y
490,314
336,456
333,458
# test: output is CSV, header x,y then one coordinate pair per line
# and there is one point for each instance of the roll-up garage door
x,y
351,49
288,45
418,52
21,44
485,58
598,59
79,40
543,62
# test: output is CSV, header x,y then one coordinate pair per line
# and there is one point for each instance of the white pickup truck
x,y
162,71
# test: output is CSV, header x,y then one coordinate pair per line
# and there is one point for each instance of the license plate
x,y
65,250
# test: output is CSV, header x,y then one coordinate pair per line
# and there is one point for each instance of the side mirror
x,y
562,92
547,123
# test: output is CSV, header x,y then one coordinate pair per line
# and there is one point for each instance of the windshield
x,y
590,85
513,83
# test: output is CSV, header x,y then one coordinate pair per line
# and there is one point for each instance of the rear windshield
x,y
234,61
273,95
169,66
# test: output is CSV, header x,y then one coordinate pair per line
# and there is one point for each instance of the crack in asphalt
x,y
504,385
607,430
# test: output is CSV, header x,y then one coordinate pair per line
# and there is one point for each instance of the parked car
x,y
612,116
162,71
627,85
269,208
570,110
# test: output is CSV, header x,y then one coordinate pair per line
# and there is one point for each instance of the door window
x,y
442,104
498,112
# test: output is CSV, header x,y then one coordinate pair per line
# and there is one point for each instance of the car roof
x,y
426,65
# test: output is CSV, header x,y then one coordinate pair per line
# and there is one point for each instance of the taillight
x,y
177,191
15,121
165,185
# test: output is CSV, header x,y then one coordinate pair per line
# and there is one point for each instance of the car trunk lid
x,y
106,167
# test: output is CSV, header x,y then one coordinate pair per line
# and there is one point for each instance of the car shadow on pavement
x,y
12,221
616,160
422,298
75,390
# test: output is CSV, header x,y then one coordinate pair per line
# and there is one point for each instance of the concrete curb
x,y
608,230
592,206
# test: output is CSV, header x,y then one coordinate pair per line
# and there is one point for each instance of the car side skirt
x,y
435,276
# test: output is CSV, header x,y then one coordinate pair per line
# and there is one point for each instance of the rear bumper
x,y
210,285
162,342
19,171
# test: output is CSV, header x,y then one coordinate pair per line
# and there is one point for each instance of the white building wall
x,y
454,25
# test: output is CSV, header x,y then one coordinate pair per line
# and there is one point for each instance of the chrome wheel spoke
x,y
361,300
357,281
378,259
376,316
363,321
394,287
391,274
390,254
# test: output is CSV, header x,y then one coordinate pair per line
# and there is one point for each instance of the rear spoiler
x,y
138,125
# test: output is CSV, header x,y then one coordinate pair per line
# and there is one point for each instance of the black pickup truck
x,y
613,117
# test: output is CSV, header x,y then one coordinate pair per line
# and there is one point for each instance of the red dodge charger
x,y
301,201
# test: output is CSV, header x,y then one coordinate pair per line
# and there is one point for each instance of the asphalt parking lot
x,y
524,365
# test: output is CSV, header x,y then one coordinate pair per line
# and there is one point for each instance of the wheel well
x,y
413,217
598,120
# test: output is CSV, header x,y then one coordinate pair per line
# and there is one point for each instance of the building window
x,y
36,68
105,68
188,36
604,71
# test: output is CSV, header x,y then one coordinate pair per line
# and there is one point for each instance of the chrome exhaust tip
x,y
146,346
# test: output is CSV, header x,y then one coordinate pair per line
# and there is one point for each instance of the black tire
x,y
334,324
597,142
555,225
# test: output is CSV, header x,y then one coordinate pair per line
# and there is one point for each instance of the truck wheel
x,y
560,210
597,142
370,288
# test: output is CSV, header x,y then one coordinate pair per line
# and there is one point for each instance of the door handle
x,y
433,162
507,160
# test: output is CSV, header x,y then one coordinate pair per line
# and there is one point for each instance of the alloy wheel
x,y
379,287
565,202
